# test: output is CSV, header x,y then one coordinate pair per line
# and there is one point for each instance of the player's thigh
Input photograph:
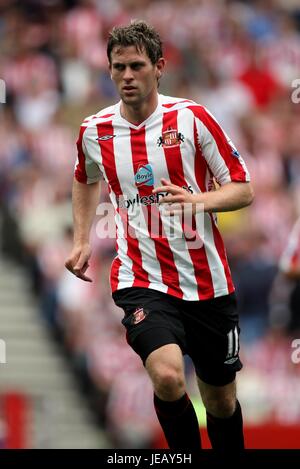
x,y
151,321
166,370
164,361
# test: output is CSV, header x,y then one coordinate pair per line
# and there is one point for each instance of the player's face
x,y
134,74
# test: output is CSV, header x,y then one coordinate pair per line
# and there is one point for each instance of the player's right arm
x,y
85,198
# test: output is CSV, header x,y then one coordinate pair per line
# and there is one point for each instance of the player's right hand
x,y
78,261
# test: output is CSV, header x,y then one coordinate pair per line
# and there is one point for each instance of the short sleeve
x,y
87,170
222,158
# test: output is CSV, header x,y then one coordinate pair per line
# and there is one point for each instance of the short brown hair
x,y
139,34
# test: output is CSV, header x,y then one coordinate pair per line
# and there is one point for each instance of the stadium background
x,y
239,58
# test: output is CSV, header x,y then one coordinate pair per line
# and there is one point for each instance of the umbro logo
x,y
105,137
231,360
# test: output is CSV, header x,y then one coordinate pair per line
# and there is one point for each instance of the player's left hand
x,y
178,200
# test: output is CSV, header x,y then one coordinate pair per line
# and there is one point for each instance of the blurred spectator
x,y
285,299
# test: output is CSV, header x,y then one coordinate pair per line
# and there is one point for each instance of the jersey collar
x,y
149,119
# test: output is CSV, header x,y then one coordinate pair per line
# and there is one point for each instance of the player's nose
x,y
128,75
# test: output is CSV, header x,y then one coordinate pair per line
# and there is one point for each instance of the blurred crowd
x,y
238,58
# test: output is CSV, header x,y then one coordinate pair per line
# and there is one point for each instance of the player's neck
x,y
139,113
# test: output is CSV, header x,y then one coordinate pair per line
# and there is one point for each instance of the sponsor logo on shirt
x,y
105,137
170,138
124,202
144,175
138,316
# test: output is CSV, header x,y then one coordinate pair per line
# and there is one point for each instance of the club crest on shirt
x,y
144,175
138,316
170,138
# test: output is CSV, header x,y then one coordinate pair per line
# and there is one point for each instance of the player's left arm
x,y
223,161
230,196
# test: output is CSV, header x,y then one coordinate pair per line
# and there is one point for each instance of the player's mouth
x,y
129,89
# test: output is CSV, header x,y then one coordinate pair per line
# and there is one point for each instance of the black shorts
x,y
206,330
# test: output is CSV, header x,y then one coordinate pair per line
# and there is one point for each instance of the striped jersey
x,y
179,141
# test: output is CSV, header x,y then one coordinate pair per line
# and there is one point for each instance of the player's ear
x,y
160,65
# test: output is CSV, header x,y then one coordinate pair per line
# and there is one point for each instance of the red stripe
x,y
176,173
80,172
235,168
200,163
169,105
88,119
114,273
222,253
164,254
109,164
108,159
116,264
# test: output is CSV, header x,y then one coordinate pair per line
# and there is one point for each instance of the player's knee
x,y
221,408
168,382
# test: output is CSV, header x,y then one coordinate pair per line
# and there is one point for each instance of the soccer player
x,y
159,154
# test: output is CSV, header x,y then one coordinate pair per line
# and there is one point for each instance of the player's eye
x,y
119,67
136,66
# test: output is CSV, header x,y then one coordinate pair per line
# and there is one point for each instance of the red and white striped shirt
x,y
183,143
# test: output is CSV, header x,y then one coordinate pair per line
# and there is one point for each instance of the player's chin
x,y
130,98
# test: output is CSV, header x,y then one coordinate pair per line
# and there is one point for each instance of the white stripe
x,y
236,341
125,270
217,270
230,344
